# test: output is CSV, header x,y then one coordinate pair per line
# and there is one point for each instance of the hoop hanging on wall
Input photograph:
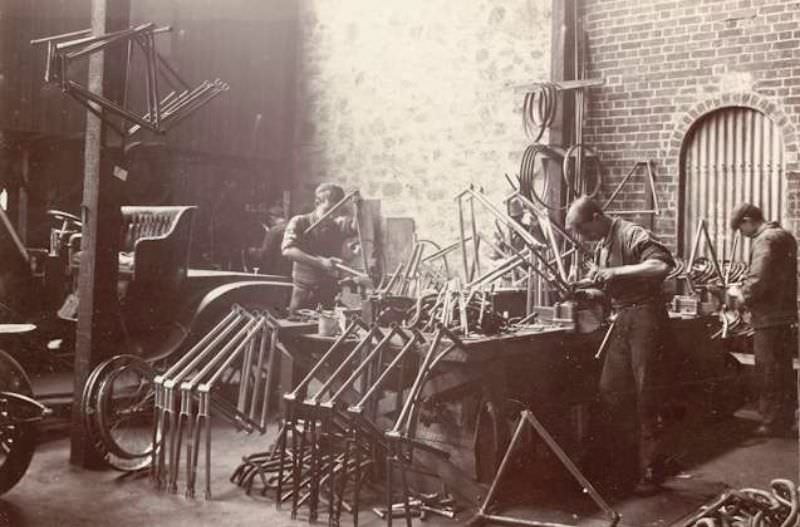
x,y
576,180
539,110
529,177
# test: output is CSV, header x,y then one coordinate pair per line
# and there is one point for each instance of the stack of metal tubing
x,y
420,273
533,256
463,311
748,507
226,375
334,440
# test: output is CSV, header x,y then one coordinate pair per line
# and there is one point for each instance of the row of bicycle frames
x,y
329,445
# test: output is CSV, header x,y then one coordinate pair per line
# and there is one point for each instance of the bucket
x,y
328,324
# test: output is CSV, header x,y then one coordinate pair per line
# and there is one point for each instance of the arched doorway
x,y
730,155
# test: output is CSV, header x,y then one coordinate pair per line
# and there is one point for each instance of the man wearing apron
x,y
631,266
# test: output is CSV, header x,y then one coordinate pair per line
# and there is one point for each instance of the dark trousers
x,y
774,348
309,296
634,383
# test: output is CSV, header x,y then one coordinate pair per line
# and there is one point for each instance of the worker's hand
x,y
734,298
583,283
735,291
604,274
330,263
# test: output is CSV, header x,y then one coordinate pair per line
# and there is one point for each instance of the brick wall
x,y
411,100
668,62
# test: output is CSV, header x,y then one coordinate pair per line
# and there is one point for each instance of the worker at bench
x,y
316,254
631,267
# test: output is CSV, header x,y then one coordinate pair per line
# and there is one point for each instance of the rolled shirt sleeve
x,y
291,236
644,247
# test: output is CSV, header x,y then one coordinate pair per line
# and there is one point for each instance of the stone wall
x,y
412,100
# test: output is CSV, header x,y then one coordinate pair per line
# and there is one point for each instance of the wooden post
x,y
562,68
98,313
22,193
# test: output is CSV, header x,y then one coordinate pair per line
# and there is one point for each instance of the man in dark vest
x,y
769,292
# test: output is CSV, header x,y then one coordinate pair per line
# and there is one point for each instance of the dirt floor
x,y
55,494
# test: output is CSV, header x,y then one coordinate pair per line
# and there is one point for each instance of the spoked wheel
x,y
117,409
17,439
125,405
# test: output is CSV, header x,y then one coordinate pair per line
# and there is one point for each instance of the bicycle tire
x,y
527,174
89,404
565,169
113,401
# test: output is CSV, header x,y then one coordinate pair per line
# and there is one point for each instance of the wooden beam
x,y
564,85
562,69
98,313
22,197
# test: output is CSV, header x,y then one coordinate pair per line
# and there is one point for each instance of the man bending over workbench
x,y
631,267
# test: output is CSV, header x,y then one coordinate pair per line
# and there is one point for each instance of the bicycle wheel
x,y
89,402
125,404
17,441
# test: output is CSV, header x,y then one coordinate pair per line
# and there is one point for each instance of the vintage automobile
x,y
163,306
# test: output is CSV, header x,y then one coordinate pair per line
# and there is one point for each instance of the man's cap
x,y
745,210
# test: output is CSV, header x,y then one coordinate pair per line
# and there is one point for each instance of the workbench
x,y
474,394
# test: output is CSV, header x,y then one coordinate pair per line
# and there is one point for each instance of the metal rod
x,y
573,469
364,258
310,375
373,330
50,39
462,237
695,246
382,377
443,251
387,289
475,239
172,71
97,43
351,271
713,251
364,363
501,470
734,245
539,216
418,380
330,212
606,338
652,180
107,104
151,69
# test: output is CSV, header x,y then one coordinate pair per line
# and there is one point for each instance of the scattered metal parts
x,y
775,507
